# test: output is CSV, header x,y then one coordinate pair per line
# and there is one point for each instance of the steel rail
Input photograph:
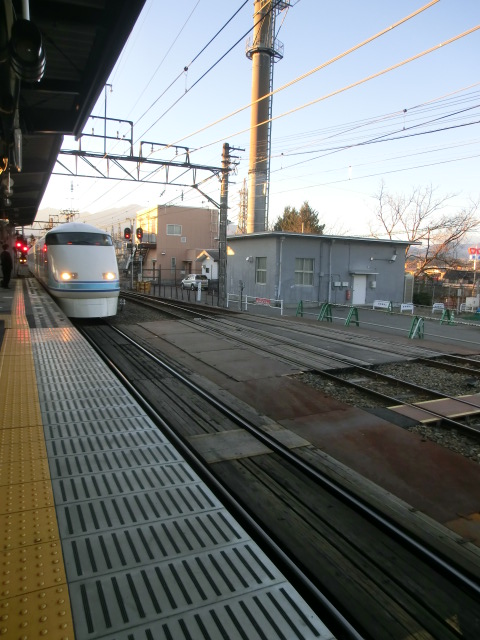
x,y
394,401
346,362
310,591
380,519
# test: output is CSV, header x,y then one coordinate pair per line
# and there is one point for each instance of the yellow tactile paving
x,y
41,614
28,527
20,450
26,496
21,436
30,568
23,471
34,601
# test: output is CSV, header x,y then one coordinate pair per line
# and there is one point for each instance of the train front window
x,y
79,238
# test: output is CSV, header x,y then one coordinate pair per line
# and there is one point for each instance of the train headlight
x,y
68,275
109,276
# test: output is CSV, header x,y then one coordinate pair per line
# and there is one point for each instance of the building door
x,y
359,289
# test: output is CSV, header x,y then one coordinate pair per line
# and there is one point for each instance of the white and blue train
x,y
77,264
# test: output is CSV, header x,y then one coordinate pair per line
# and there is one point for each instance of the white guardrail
x,y
246,301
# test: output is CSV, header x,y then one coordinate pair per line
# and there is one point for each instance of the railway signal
x,y
140,233
127,233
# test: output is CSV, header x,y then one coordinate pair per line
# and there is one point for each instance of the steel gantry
x,y
169,170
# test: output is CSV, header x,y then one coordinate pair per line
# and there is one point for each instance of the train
x,y
77,265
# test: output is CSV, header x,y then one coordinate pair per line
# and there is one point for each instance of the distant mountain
x,y
111,217
103,219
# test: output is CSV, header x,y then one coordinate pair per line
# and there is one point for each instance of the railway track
x,y
353,561
299,346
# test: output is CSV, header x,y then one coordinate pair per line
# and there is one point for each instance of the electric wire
x,y
384,120
160,64
182,72
381,173
312,71
272,8
346,87
187,67
349,86
368,40
386,137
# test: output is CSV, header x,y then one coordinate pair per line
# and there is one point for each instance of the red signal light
x,y
127,233
139,233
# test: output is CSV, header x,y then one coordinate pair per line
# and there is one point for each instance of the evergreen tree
x,y
303,221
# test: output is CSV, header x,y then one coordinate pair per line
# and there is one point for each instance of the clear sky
x,y
413,126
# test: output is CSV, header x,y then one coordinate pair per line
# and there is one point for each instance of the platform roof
x,y
82,40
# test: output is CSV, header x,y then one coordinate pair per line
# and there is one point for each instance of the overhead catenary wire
x,y
383,138
353,84
187,66
272,7
336,131
161,62
203,49
312,71
381,173
303,76
345,88
386,137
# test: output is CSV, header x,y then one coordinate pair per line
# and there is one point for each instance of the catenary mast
x,y
263,50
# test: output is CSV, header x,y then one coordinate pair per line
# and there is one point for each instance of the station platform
x,y
106,531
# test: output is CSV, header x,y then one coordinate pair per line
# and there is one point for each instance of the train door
x,y
359,289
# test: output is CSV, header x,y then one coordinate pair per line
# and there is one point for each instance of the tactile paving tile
x,y
24,471
26,496
41,614
98,426
29,568
19,450
134,546
28,527
22,435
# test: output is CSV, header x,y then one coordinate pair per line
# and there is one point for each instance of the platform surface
x,y
107,532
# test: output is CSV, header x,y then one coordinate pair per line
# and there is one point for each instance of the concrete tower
x,y
263,50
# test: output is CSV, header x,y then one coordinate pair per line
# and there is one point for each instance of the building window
x,y
304,271
183,239
173,262
174,229
261,270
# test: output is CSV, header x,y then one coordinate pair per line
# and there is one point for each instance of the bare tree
x,y
418,217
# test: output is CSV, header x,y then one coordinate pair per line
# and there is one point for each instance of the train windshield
x,y
79,238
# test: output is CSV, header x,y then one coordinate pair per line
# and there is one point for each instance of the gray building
x,y
296,267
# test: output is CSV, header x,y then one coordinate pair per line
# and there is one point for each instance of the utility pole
x,y
222,235
222,240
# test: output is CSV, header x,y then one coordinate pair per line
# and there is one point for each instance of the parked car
x,y
191,282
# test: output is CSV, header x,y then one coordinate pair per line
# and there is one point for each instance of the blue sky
x,y
328,153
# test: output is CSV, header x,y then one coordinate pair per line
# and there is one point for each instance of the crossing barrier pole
x,y
417,329
353,313
448,316
325,312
